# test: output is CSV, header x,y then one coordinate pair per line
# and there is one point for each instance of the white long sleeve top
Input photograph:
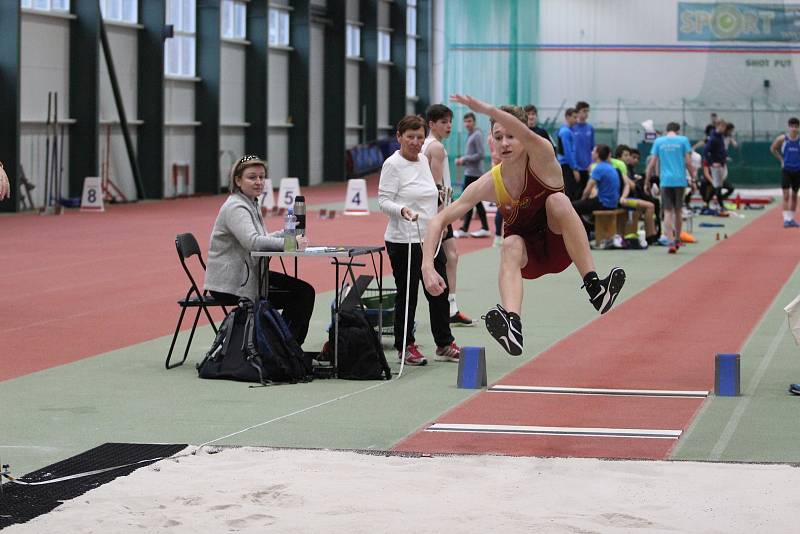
x,y
407,184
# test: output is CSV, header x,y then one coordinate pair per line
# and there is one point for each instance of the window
x,y
411,18
46,5
120,10
278,27
384,46
179,51
234,19
411,48
353,47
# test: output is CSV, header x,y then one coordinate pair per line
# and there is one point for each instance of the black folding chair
x,y
187,247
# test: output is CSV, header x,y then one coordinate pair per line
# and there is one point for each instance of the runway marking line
x,y
554,390
642,433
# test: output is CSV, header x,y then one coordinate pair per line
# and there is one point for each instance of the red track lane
x,y
662,338
82,284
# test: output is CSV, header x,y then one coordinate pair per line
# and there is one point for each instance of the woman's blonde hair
x,y
238,169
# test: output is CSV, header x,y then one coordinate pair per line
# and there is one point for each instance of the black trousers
x,y
707,191
479,206
586,206
571,187
293,296
438,307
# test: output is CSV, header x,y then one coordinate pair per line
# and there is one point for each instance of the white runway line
x,y
504,388
643,433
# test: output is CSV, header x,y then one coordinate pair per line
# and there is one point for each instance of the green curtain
x,y
485,57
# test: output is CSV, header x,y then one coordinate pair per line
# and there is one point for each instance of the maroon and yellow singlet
x,y
527,218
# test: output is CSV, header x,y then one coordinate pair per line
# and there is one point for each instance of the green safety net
x,y
482,59
492,50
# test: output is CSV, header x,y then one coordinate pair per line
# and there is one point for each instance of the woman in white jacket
x,y
239,229
408,195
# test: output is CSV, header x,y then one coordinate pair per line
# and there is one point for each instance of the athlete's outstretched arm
x,y
481,189
538,146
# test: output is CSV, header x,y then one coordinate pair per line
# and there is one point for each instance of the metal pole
x,y
123,120
752,120
683,115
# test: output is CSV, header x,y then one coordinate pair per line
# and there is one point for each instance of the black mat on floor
x,y
20,503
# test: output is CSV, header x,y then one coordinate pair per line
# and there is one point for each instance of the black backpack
x,y
361,355
253,344
282,358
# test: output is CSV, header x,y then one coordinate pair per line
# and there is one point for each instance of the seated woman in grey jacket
x,y
239,229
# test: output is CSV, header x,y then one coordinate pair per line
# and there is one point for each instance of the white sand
x,y
267,490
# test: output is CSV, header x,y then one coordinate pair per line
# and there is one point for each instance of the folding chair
x,y
187,246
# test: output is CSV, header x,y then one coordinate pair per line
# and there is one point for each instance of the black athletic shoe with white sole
x,y
506,328
607,290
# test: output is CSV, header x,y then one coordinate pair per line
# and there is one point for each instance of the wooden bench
x,y
618,221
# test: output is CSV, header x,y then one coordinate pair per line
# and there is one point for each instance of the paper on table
x,y
320,250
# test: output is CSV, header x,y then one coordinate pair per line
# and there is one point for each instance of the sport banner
x,y
738,22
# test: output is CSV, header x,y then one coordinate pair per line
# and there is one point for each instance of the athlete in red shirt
x,y
542,232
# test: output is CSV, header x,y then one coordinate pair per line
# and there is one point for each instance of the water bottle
x,y
300,213
289,236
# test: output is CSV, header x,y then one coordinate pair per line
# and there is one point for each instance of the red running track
x,y
81,284
662,338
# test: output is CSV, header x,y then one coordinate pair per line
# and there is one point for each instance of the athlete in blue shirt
x,y
607,181
565,151
671,155
789,156
583,141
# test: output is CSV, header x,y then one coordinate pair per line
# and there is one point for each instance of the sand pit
x,y
279,490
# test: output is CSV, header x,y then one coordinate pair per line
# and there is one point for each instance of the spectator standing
x,y
472,160
5,185
532,120
440,124
565,152
583,141
716,154
786,149
408,195
670,158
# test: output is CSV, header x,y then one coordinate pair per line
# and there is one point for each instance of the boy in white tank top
x,y
440,122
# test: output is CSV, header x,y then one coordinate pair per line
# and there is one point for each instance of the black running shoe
x,y
607,290
506,328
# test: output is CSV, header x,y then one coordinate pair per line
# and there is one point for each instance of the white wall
x,y
384,121
232,104
179,121
278,113
352,118
316,82
123,43
44,67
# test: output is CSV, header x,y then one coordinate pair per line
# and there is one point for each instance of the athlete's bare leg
x,y
563,220
451,253
789,200
513,258
669,224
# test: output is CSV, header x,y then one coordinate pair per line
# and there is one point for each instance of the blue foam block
x,y
472,368
727,377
